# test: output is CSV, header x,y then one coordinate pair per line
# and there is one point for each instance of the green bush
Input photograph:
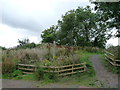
x,y
116,70
17,73
50,76
7,76
39,74
27,45
90,71
45,63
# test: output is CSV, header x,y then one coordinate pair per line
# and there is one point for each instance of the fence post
x,y
58,73
54,44
84,66
72,69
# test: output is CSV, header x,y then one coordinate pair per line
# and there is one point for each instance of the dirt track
x,y
110,79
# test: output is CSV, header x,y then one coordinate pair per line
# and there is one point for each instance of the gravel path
x,y
8,83
110,79
60,85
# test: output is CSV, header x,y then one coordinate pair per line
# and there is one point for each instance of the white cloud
x,y
113,41
9,36
36,14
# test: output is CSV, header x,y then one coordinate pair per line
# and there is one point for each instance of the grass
x,y
87,78
0,76
29,77
84,79
17,75
7,76
20,77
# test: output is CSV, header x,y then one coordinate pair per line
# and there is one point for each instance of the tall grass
x,y
108,66
45,56
115,50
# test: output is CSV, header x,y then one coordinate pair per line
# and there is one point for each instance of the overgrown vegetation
x,y
17,75
44,56
109,67
115,51
87,78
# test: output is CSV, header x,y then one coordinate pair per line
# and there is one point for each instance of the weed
x,y
8,67
39,74
29,77
16,73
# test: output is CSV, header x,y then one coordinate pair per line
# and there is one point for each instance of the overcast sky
x,y
28,18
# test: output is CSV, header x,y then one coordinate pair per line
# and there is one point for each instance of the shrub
x,y
50,77
17,73
39,74
46,63
8,67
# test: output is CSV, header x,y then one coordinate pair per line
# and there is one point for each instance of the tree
x,y
76,27
49,35
23,42
111,14
79,27
3,48
83,27
102,31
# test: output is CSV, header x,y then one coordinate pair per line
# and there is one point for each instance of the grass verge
x,y
108,66
17,75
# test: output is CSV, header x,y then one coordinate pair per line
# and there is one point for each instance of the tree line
x,y
85,27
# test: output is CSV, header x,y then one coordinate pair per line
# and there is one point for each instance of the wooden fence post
x,y
84,67
72,69
54,44
58,73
